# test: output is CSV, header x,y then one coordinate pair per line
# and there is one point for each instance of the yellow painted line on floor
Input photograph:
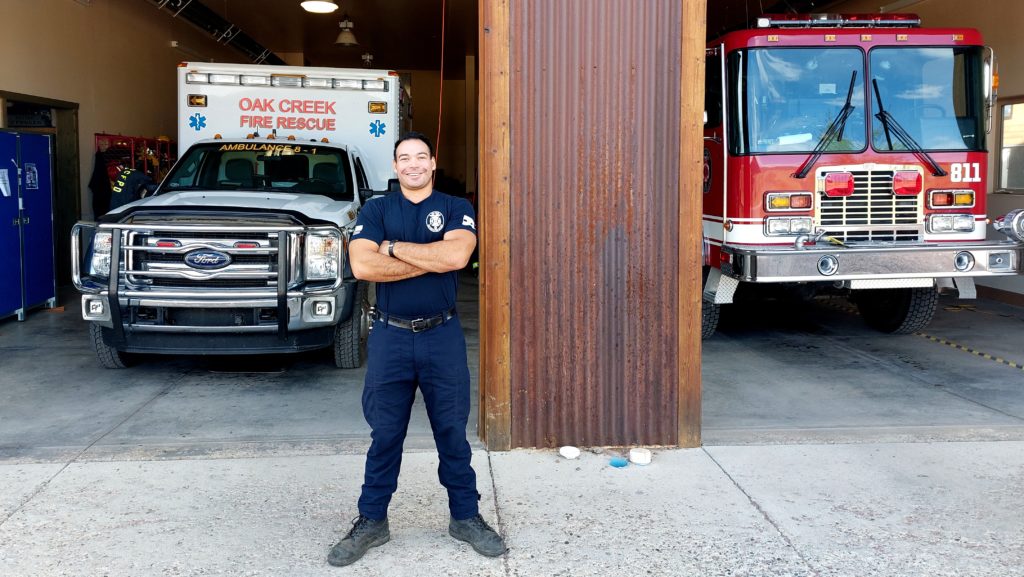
x,y
960,347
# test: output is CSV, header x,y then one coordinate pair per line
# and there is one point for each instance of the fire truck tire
x,y
350,334
897,311
708,318
108,356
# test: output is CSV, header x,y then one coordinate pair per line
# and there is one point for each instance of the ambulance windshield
x,y
264,167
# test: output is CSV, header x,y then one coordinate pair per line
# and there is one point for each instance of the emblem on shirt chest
x,y
435,221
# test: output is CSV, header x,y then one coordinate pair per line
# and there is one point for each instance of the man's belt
x,y
414,325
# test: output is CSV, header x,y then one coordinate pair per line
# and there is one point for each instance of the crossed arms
x,y
370,261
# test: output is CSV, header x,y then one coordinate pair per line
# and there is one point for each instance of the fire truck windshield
x,y
934,94
784,100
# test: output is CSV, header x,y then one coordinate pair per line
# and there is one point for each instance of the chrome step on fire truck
x,y
847,154
241,248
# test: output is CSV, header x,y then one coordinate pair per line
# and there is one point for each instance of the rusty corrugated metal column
x,y
590,292
595,97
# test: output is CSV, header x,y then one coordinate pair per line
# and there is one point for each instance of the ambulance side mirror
x,y
365,194
393,186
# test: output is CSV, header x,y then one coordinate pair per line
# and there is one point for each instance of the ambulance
x,y
241,248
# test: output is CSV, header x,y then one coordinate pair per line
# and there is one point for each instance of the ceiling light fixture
x,y
346,37
320,6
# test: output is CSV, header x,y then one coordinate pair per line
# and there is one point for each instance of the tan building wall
x,y
112,57
999,22
115,60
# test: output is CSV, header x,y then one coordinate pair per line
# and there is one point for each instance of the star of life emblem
x,y
435,221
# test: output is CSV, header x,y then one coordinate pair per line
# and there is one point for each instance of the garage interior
x,y
777,372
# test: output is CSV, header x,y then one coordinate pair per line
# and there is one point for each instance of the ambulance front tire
x,y
350,334
108,356
900,311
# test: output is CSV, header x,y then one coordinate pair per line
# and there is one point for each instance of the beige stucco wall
x,y
112,57
1000,24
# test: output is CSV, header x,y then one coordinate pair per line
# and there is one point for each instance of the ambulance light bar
x,y
839,21
255,80
286,81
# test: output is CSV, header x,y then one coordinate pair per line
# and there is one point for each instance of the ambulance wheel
x,y
350,334
709,318
108,356
897,311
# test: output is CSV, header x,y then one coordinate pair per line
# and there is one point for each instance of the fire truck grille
x,y
872,213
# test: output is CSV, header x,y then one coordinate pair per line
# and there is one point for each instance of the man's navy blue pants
x,y
400,361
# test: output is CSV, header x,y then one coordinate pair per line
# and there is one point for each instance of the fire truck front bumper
x,y
872,265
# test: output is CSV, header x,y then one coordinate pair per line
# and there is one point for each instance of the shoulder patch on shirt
x,y
435,221
468,221
359,229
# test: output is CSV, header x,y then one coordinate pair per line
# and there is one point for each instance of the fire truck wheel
x,y
709,318
897,311
108,356
350,334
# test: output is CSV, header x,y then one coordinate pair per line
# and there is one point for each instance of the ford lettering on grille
x,y
207,259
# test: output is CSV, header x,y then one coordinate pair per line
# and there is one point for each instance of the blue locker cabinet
x,y
27,275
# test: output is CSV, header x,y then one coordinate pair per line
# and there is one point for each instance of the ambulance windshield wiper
x,y
894,128
832,133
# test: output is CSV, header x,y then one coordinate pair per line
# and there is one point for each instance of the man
x,y
412,244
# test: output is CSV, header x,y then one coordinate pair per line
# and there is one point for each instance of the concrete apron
x,y
844,510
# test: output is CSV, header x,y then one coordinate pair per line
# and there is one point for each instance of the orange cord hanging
x,y
440,90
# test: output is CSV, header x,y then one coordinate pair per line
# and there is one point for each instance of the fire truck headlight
x,y
1011,224
323,255
787,226
963,222
99,265
801,226
944,223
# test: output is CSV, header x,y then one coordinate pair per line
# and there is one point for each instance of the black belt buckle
x,y
418,325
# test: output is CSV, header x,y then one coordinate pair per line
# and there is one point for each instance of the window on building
x,y
1011,146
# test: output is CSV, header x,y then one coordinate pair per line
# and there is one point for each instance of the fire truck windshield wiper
x,y
893,128
832,133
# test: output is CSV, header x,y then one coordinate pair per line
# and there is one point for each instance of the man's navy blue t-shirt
x,y
394,217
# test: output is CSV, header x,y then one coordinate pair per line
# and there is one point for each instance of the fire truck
x,y
846,154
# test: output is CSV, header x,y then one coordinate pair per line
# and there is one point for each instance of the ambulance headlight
x,y
323,255
1011,224
99,265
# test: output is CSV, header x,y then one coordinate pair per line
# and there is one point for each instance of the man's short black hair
x,y
413,135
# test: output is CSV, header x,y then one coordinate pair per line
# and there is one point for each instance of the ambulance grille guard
x,y
265,275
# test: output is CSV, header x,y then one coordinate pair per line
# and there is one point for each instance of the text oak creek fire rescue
x,y
288,114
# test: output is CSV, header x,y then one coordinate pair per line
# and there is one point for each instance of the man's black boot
x,y
479,534
365,533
